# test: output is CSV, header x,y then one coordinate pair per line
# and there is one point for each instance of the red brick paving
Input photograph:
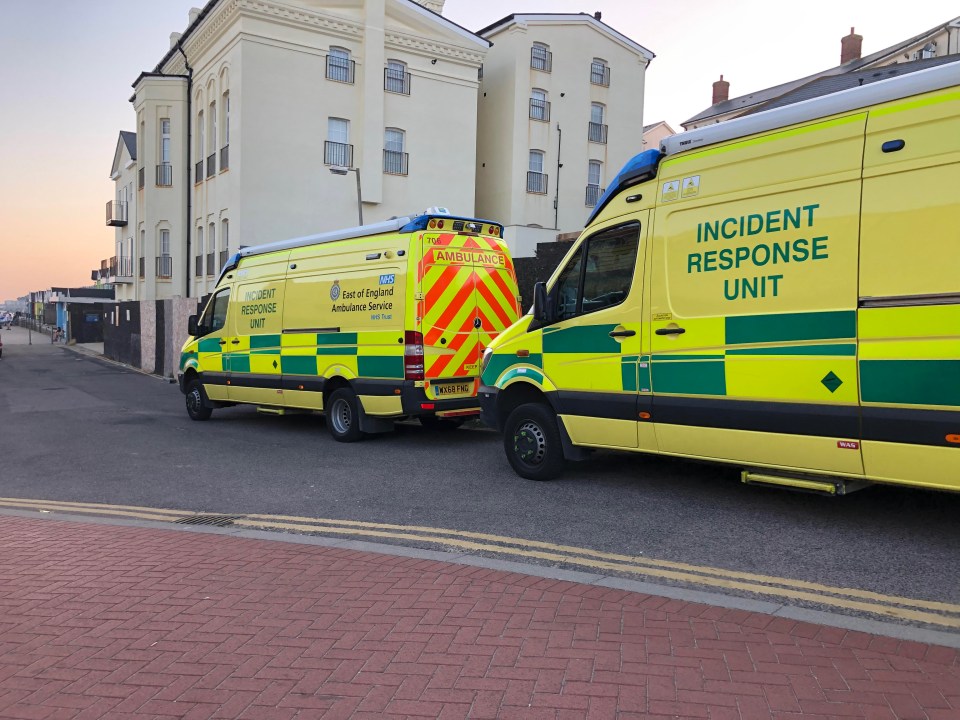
x,y
100,621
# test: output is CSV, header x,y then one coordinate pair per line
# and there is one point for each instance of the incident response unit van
x,y
780,292
368,324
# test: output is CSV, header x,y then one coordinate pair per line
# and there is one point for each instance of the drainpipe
x,y
186,292
556,199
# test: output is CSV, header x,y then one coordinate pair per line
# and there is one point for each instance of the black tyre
x,y
197,407
343,416
432,422
532,442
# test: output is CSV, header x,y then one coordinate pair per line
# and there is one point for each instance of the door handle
x,y
235,342
622,333
223,342
671,331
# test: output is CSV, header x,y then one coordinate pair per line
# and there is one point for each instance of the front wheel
x,y
532,442
197,408
343,416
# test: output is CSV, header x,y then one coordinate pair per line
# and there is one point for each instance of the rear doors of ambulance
x,y
466,295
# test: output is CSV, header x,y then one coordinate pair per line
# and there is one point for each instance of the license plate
x,y
453,389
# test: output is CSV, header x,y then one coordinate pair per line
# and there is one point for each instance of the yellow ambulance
x,y
368,324
780,292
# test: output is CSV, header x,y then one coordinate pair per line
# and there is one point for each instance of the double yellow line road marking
x,y
852,599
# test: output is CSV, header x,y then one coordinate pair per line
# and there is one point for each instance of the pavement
x,y
17,335
121,619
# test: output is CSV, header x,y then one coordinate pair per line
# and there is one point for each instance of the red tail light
x,y
412,355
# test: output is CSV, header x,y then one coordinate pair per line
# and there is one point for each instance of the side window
x,y
215,316
608,259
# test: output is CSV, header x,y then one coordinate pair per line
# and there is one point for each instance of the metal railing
x,y
335,153
600,74
597,133
394,162
140,174
539,110
124,267
541,59
593,195
198,266
211,164
164,175
198,172
396,81
211,270
116,214
164,266
113,266
225,157
537,182
340,69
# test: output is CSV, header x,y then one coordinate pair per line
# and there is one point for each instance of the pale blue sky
x,y
66,68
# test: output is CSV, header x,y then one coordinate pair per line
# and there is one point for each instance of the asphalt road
x,y
74,428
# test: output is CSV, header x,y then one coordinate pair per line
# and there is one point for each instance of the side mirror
x,y
541,312
192,326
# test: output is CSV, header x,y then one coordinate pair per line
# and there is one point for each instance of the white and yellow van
x,y
368,324
780,292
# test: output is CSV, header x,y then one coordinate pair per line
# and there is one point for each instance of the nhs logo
x,y
387,279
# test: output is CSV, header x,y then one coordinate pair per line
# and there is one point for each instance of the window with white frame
x,y
396,79
394,152
337,149
165,140
339,65
541,58
594,175
536,178
600,72
597,130
539,107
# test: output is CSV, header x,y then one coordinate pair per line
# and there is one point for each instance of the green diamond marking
x,y
831,382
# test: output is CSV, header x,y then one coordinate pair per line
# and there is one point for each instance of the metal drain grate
x,y
215,520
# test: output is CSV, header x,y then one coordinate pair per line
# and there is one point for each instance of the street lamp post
x,y
341,170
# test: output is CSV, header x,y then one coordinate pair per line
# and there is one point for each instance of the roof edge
x,y
515,18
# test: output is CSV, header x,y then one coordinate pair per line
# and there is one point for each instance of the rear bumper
x,y
415,401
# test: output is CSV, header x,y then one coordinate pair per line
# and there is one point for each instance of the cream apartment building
x,y
561,111
240,124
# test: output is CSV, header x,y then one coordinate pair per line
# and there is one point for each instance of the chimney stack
x,y
850,47
721,91
192,15
175,38
597,15
434,5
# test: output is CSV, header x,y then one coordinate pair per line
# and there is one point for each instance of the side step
x,y
820,486
271,410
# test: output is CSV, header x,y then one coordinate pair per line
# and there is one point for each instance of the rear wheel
x,y
532,442
432,422
197,407
343,416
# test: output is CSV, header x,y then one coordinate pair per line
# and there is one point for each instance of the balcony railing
x,y
142,268
140,174
124,271
394,162
335,153
600,74
396,81
340,69
164,266
116,214
198,266
593,195
537,182
211,269
112,266
541,59
597,133
164,175
223,258
225,157
211,165
539,110
198,172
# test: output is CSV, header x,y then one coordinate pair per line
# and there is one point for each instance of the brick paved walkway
x,y
100,621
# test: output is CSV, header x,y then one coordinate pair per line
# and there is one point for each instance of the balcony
x,y
112,266
211,269
164,175
340,69
335,153
225,157
537,183
599,74
597,133
164,267
123,269
140,174
395,163
396,81
539,110
541,59
594,192
198,173
211,165
116,214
